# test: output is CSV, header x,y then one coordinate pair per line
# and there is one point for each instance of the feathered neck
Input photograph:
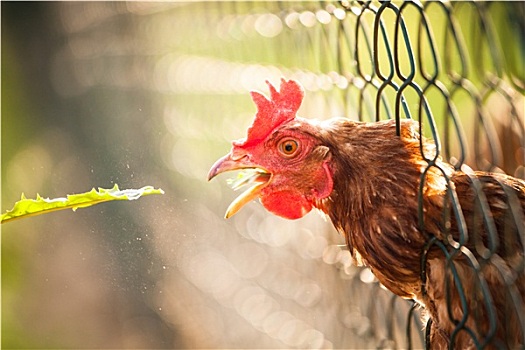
x,y
374,203
369,161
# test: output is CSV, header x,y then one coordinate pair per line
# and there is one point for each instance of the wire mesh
x,y
385,61
210,284
388,63
370,61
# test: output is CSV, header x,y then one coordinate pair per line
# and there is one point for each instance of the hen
x,y
428,233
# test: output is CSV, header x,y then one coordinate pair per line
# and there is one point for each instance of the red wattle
x,y
286,204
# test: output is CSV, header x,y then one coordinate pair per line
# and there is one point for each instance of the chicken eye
x,y
288,147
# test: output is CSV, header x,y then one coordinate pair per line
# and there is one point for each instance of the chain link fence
x,y
197,281
455,67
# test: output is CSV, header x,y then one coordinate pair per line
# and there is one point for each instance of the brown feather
x,y
375,204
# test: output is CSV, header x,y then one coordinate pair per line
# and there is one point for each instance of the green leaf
x,y
30,207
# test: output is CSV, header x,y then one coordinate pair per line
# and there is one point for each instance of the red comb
x,y
281,107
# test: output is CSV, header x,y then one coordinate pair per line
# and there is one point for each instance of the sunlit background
x,y
102,93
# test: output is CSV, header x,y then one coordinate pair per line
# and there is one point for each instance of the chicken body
x,y
411,223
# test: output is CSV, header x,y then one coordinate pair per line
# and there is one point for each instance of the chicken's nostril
x,y
237,156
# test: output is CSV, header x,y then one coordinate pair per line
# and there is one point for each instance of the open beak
x,y
258,179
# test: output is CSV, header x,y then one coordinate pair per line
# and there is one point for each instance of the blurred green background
x,y
135,93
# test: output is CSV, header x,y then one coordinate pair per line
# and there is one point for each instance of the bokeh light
x,y
152,93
